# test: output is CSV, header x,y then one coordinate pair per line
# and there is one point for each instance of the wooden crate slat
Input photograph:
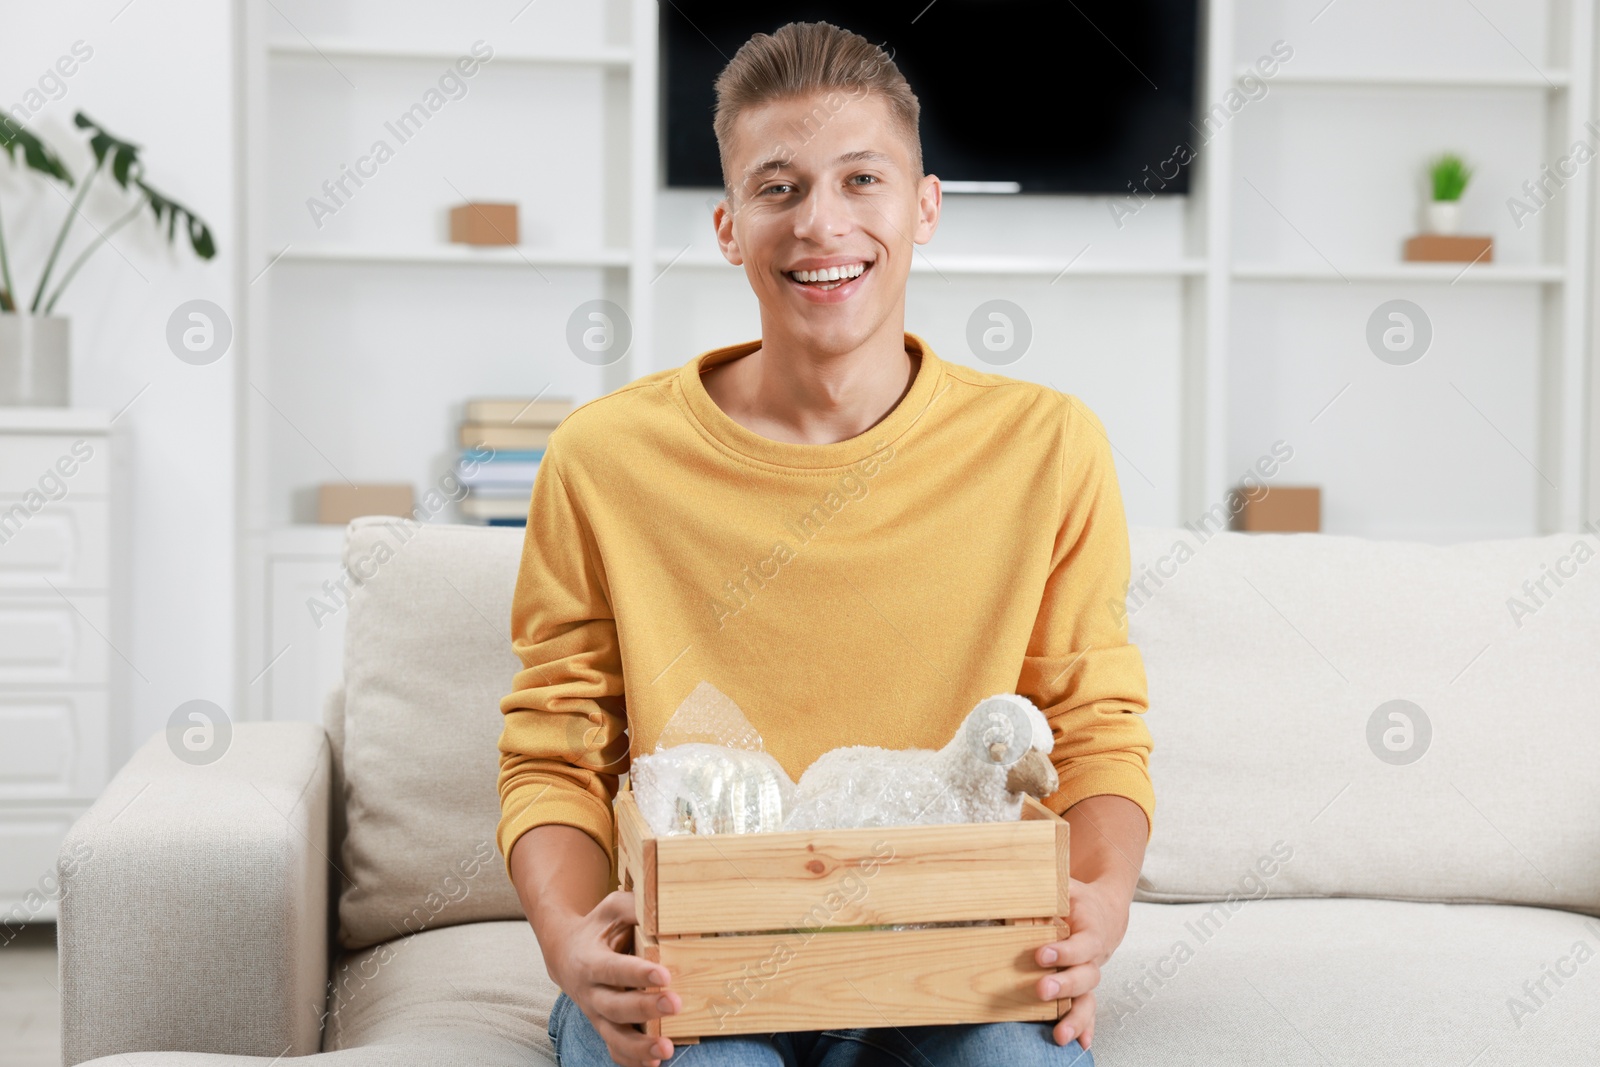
x,y
871,875
1032,809
1063,906
758,983
636,855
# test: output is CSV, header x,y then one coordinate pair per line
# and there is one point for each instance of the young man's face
x,y
825,181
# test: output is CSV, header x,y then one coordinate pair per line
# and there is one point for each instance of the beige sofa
x,y
1313,893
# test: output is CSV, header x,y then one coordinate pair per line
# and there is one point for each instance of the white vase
x,y
1444,216
35,360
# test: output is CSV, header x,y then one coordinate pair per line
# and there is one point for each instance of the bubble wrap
x,y
708,715
709,773
850,788
700,788
965,781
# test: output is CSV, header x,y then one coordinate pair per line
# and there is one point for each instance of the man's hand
x,y
590,963
585,935
1099,919
1107,843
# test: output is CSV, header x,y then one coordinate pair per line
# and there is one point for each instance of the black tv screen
x,y
1053,97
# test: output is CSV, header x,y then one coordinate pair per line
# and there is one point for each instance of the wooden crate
x,y
743,922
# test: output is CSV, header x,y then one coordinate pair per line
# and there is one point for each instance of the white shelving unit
x,y
289,659
934,262
1565,88
327,310
1446,79
1447,273
462,255
620,58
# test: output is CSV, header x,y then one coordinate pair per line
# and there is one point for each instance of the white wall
x,y
160,75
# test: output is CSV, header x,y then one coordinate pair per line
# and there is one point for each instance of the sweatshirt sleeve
x,y
1080,669
563,743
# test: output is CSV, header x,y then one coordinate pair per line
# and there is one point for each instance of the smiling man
x,y
854,539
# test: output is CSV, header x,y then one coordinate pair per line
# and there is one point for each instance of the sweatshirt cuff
x,y
1082,779
577,808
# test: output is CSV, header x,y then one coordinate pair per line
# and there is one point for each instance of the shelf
x,y
1051,267
1476,274
1530,79
959,263
524,256
605,56
54,420
463,255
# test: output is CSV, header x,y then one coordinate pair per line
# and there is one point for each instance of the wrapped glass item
x,y
709,773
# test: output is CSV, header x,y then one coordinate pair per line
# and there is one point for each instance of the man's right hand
x,y
591,963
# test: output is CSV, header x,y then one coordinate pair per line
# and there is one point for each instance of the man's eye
x,y
772,188
869,177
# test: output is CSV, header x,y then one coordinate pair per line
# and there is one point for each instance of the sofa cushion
x,y
427,659
1308,983
1272,662
484,982
469,995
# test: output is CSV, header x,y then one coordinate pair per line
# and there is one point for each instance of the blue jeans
x,y
976,1045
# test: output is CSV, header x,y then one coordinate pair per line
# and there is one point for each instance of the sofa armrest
x,y
194,902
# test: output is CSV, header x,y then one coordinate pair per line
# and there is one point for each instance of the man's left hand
x,y
1098,921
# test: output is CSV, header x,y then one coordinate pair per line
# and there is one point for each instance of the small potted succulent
x,y
34,341
1448,175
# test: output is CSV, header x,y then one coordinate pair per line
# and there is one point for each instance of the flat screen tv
x,y
1025,96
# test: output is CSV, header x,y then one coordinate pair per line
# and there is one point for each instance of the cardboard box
x,y
1284,509
1448,248
338,502
746,923
479,223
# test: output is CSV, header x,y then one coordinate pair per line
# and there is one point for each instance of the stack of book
x,y
502,441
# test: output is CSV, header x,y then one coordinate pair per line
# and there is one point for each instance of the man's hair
x,y
803,59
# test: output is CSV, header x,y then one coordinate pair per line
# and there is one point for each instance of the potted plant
x,y
1448,175
34,340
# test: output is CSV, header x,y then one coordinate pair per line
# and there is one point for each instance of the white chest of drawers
x,y
59,662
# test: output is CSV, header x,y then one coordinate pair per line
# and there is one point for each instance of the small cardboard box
x,y
1449,248
747,924
339,503
480,223
1284,509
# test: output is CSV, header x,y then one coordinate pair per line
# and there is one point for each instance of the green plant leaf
x,y
35,153
1449,175
168,210
124,154
200,239
126,167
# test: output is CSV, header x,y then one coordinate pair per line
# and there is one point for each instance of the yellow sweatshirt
x,y
866,592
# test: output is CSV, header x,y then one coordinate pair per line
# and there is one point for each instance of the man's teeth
x,y
829,274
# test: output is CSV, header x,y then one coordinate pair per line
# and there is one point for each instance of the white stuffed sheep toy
x,y
1001,751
